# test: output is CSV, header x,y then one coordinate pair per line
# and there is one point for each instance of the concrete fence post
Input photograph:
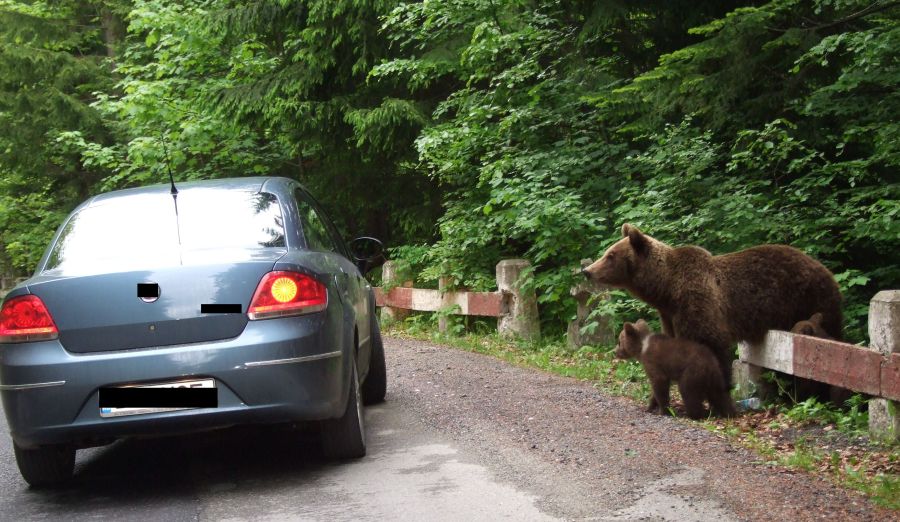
x,y
884,337
747,380
747,377
521,315
588,295
391,276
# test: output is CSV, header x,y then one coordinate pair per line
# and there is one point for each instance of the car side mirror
x,y
366,252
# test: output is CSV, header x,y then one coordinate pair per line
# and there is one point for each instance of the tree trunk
x,y
113,30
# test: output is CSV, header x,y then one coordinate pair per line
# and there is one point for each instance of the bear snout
x,y
585,273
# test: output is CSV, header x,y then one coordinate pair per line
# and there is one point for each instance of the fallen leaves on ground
x,y
833,451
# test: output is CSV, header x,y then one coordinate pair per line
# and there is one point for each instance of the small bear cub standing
x,y
665,359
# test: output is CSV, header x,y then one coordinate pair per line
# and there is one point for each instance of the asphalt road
x,y
411,473
445,446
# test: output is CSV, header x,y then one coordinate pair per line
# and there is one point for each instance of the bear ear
x,y
638,240
630,330
816,318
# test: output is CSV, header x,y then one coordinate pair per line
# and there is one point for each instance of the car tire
x,y
46,465
345,438
375,387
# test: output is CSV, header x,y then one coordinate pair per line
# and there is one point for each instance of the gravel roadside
x,y
619,454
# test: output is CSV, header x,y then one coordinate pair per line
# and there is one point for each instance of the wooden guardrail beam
x,y
514,303
873,370
823,360
488,304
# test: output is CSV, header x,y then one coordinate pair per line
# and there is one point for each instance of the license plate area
x,y
141,399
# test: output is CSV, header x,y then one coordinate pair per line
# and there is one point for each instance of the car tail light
x,y
25,318
287,293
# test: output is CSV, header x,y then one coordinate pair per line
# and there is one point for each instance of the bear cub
x,y
812,327
665,359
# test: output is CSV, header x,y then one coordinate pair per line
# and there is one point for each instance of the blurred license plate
x,y
184,391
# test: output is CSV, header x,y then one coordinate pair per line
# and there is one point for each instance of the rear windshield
x,y
142,230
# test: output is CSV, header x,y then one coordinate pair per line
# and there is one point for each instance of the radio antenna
x,y
173,191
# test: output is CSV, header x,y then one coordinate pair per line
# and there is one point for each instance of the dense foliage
x,y
52,56
467,131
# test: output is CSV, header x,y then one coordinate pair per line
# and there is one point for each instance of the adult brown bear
x,y
720,300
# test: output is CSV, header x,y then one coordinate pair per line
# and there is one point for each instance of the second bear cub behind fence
x,y
665,359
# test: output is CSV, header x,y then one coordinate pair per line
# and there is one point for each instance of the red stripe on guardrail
x,y
487,304
890,377
839,364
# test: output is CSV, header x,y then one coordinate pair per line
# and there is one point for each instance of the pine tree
x,y
53,56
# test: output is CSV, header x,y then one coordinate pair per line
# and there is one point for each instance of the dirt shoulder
x,y
622,453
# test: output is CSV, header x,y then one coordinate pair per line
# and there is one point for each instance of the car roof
x,y
249,184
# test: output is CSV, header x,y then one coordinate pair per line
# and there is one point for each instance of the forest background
x,y
462,132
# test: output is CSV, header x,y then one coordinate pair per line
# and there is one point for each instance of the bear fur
x,y
720,300
666,359
811,327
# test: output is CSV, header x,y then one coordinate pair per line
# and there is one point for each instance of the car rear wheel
x,y
375,387
345,438
46,465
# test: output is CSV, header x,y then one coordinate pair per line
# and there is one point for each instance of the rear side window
x,y
315,230
143,230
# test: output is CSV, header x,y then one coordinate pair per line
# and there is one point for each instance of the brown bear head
x,y
621,262
811,327
631,339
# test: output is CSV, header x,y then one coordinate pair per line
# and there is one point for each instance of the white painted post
x,y
521,317
775,352
746,378
884,336
390,275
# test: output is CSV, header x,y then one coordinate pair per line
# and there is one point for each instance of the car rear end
x,y
145,291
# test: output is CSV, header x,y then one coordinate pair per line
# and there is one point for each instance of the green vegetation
x,y
491,128
853,420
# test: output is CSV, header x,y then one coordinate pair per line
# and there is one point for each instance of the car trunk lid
x,y
103,312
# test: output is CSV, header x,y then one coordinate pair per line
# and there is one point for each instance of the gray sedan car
x,y
165,309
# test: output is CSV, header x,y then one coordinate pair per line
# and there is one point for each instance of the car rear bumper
x,y
277,370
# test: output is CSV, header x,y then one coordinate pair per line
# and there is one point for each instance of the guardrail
x,y
873,370
514,306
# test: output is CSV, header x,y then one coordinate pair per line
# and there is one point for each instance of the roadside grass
x,y
810,436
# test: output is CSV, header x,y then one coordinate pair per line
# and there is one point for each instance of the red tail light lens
x,y
25,318
287,293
